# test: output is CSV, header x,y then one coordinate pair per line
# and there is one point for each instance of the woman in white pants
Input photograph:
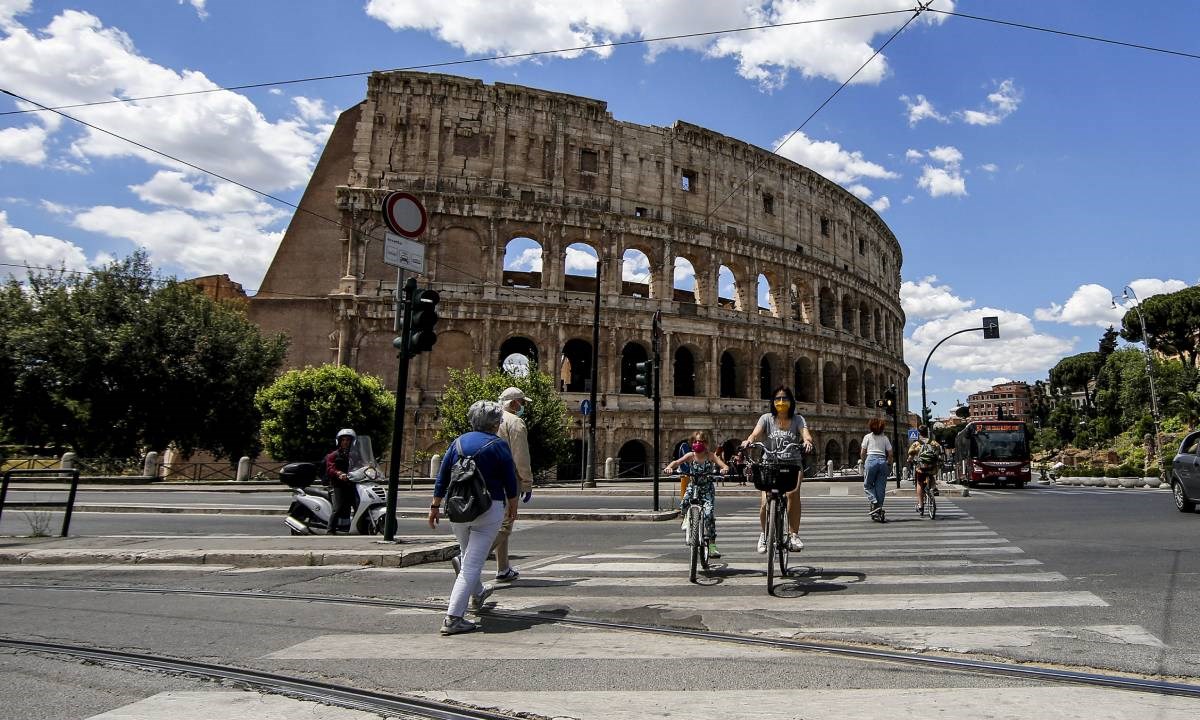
x,y
494,461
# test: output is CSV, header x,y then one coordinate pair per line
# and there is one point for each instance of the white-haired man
x,y
513,431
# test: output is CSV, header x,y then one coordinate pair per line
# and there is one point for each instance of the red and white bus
x,y
993,451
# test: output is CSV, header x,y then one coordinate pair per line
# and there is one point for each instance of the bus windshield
x,y
1000,445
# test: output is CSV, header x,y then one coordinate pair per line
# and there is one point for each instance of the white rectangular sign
x,y
403,253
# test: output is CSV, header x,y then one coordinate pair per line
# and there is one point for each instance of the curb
x,y
399,557
251,510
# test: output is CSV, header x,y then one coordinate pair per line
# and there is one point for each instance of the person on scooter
x,y
338,465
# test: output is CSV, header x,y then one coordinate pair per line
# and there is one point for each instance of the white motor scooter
x,y
311,507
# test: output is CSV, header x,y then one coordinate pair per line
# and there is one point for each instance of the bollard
x,y
435,464
68,461
610,468
243,473
829,468
150,464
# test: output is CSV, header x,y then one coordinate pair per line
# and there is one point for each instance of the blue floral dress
x,y
704,489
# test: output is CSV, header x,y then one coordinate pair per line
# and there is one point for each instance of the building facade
x,y
718,223
1008,401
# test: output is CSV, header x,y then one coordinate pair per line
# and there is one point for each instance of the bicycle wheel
x,y
695,537
782,549
772,541
930,501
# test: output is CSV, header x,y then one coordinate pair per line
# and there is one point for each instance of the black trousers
x,y
341,500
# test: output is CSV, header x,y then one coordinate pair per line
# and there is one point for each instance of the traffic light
x,y
889,399
643,379
421,335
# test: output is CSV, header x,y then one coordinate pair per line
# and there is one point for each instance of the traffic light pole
x,y
405,308
655,343
925,419
590,479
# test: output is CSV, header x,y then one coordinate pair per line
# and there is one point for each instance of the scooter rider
x,y
337,469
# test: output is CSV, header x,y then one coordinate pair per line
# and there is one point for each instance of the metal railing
x,y
69,505
29,464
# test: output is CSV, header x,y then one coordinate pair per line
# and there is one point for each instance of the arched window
x,y
632,460
632,354
729,385
523,263
870,394
804,381
766,305
832,385
575,366
801,302
852,386
864,321
853,448
635,274
770,375
833,452
878,327
516,353
684,281
579,264
827,307
685,373
726,288
847,314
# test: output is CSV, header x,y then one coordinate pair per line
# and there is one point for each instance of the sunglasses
x,y
783,398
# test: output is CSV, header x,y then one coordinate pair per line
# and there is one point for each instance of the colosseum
x,y
766,273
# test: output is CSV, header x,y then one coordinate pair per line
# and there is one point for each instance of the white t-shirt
x,y
877,445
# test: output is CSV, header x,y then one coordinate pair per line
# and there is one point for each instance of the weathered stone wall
x,y
498,162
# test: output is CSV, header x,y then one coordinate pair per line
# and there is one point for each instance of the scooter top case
x,y
299,475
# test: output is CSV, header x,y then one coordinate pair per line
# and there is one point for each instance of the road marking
x,y
818,542
972,638
109,568
796,561
208,704
825,602
677,578
807,556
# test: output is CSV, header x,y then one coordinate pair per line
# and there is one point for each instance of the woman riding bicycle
x,y
704,465
776,429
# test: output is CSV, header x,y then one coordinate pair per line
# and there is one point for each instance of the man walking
x,y
514,432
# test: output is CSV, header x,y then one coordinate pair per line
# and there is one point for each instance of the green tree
x,y
1075,373
303,410
545,415
116,360
1172,321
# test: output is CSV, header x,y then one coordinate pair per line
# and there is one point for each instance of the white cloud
x,y
1092,304
199,5
200,194
974,385
26,145
581,261
881,204
10,9
685,274
913,155
920,110
830,160
1001,103
635,267
1020,348
942,181
530,260
312,110
830,50
907,199
946,154
862,192
21,248
989,167
925,299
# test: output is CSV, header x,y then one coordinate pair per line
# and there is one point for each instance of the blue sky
x,y
1026,175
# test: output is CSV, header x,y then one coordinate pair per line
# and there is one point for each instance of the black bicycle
x,y
696,534
765,475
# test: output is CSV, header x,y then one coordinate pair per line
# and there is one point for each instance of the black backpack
x,y
467,496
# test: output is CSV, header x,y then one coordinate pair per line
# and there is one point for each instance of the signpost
x,y
585,407
402,253
913,435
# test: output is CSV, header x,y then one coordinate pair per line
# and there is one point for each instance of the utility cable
x,y
449,63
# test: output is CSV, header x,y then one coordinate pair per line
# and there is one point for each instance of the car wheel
x,y
1182,502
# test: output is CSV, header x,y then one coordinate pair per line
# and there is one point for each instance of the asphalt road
x,y
1078,577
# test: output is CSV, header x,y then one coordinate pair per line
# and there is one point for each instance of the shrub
x,y
1111,471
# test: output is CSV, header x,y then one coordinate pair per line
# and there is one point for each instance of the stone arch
x,y
684,282
833,452
847,314
831,385
765,295
852,386
770,374
579,270
727,288
684,373
523,263
454,350
828,307
575,366
634,352
853,448
732,374
804,380
801,301
870,392
516,345
878,325
458,256
637,280
633,459
864,320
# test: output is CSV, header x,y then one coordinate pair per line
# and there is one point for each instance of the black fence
x,y
69,505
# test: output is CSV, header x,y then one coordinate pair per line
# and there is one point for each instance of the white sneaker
x,y
762,543
684,526
794,543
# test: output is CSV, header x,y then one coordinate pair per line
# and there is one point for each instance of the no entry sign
x,y
404,214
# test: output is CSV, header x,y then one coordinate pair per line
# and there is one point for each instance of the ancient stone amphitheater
x,y
766,272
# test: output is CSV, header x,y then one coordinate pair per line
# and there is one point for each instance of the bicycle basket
x,y
774,477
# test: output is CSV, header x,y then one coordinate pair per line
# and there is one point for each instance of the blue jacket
x,y
495,463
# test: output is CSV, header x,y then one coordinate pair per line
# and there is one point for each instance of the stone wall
x,y
493,163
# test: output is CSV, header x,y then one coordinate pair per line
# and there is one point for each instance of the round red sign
x,y
404,214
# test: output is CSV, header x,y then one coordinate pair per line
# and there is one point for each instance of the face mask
x,y
699,447
520,412
781,405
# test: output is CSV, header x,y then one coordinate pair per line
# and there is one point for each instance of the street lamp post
x,y
1127,293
